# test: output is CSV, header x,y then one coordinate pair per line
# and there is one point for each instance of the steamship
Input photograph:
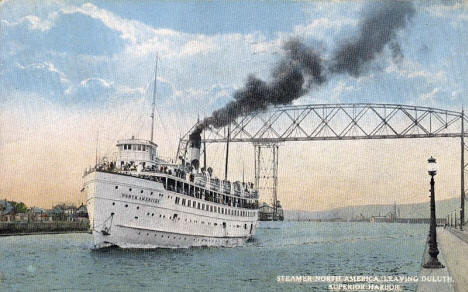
x,y
139,200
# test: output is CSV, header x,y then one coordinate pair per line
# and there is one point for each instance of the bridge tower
x,y
266,173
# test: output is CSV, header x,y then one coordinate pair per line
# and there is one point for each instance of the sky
x,y
75,76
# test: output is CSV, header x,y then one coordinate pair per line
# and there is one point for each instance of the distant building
x,y
379,219
6,208
82,211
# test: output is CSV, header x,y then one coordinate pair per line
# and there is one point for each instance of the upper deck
x,y
139,158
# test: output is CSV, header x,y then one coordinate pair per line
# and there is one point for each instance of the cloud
x,y
430,95
41,78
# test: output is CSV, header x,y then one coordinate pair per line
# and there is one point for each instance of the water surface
x,y
66,261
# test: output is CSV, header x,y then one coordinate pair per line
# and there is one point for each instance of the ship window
x,y
113,203
136,217
141,191
188,203
116,187
245,226
183,202
194,204
126,205
203,206
152,214
138,207
177,199
211,208
139,147
198,205
130,189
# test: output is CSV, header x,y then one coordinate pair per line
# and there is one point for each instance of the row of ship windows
x,y
141,192
134,147
212,208
206,207
176,217
185,238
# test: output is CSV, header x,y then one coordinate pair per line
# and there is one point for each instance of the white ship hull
x,y
132,212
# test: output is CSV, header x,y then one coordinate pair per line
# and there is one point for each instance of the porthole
x,y
136,217
138,207
152,214
126,205
141,191
113,203
151,193
147,214
116,187
130,189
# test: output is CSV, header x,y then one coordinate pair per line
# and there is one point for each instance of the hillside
x,y
419,210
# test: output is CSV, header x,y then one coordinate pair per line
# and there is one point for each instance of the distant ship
x,y
269,213
141,201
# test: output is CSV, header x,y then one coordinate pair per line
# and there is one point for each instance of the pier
x,y
453,247
27,228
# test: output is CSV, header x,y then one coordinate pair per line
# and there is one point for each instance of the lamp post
x,y
433,262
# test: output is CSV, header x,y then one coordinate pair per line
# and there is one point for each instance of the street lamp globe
x,y
432,166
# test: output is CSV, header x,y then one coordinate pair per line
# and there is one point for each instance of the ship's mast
x,y
154,98
227,152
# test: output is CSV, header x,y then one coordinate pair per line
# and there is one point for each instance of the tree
x,y
19,207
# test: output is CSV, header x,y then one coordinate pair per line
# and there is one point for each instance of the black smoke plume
x,y
377,29
302,67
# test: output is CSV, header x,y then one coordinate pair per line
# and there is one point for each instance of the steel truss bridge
x,y
268,129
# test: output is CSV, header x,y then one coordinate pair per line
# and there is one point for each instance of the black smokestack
x,y
194,148
302,67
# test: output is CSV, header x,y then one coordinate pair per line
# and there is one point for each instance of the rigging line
x,y
154,108
121,129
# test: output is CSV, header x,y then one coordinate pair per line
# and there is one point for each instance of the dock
x,y
453,248
28,228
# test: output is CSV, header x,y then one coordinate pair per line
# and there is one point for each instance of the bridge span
x,y
342,121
